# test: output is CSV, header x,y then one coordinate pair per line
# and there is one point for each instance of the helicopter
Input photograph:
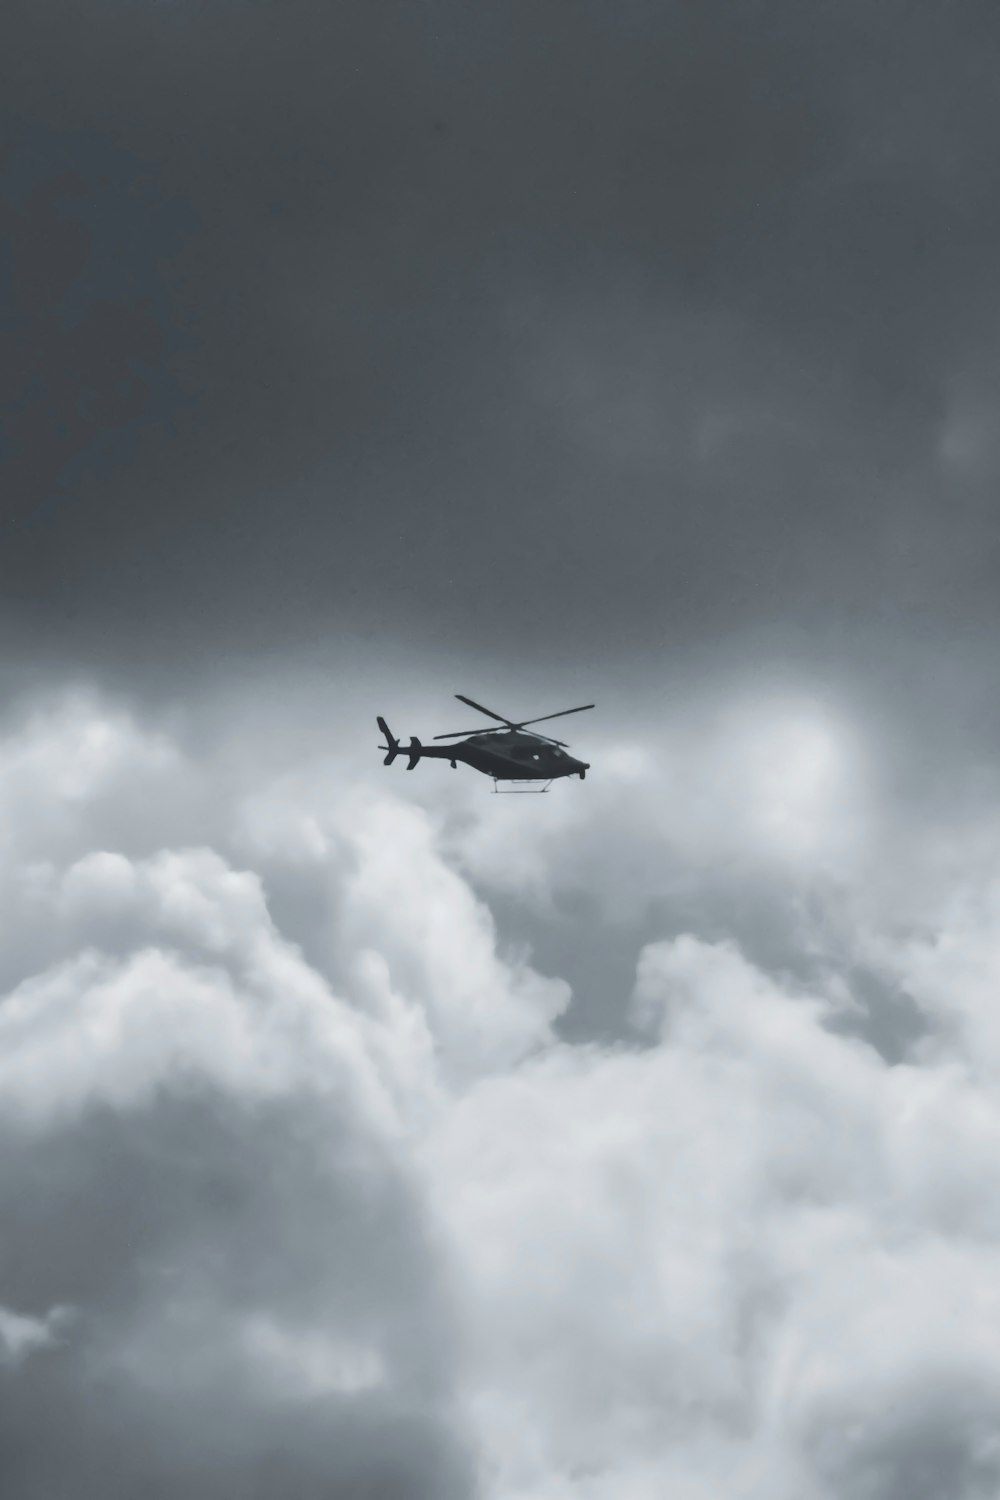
x,y
506,753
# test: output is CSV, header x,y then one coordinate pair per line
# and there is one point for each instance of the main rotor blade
x,y
480,709
562,712
456,733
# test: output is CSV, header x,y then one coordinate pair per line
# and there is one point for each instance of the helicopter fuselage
x,y
513,756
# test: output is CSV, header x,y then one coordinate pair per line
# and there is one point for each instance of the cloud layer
x,y
301,1189
698,300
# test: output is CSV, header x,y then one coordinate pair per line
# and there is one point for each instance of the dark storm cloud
x,y
400,315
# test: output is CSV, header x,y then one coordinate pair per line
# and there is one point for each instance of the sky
x,y
368,1135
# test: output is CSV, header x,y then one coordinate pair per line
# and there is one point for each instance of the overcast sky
x,y
543,329
363,1134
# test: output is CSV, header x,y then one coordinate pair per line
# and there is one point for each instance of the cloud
x,y
776,779
21,1336
301,1188
205,1156
697,300
734,1262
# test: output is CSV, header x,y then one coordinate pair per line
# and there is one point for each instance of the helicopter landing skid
x,y
519,791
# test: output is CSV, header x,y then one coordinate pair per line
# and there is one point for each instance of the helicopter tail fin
x,y
414,752
392,744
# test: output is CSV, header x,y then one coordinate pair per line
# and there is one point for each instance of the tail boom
x,y
414,751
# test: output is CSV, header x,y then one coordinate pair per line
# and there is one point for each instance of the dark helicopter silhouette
x,y
506,754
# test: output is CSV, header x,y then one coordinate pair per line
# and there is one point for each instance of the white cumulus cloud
x,y
302,1189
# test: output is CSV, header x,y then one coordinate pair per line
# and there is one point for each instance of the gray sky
x,y
363,1134
641,328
